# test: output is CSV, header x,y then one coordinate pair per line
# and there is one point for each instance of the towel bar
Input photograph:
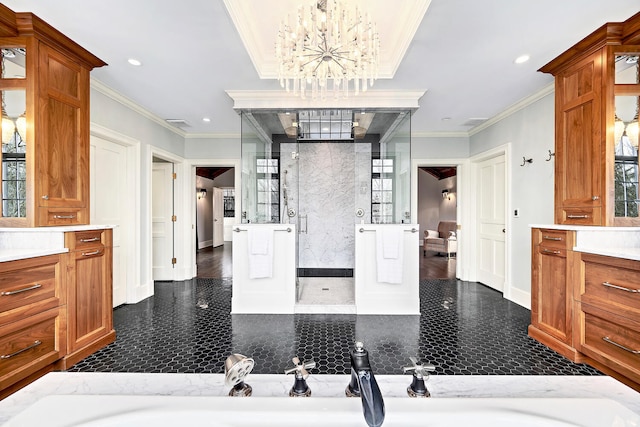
x,y
413,230
288,229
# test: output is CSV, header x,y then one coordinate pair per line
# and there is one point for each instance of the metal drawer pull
x,y
91,253
577,216
548,251
556,239
93,239
64,216
30,288
622,288
35,344
610,341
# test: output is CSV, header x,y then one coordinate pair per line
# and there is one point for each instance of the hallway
x,y
216,263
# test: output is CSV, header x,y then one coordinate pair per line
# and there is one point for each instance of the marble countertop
x,y
15,254
583,227
58,229
440,386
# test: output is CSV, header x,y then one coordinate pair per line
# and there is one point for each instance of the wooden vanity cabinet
x,y
89,294
609,314
32,319
57,115
585,112
552,290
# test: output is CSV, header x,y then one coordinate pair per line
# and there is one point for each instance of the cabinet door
x,y
579,161
62,140
552,298
89,302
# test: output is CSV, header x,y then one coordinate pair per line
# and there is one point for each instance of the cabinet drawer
x,y
613,340
27,346
62,216
612,284
26,282
87,240
553,239
580,216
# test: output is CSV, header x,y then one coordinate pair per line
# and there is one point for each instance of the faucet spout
x,y
363,383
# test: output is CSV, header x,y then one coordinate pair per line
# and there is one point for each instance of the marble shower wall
x,y
326,184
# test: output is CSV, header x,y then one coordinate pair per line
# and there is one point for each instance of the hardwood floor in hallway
x,y
216,263
433,266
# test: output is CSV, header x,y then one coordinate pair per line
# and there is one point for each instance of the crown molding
x,y
549,89
279,99
118,97
213,136
439,134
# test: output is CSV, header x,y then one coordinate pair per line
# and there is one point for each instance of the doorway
x,y
437,202
214,218
162,219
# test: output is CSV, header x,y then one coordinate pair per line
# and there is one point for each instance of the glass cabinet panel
x,y
12,62
626,102
14,175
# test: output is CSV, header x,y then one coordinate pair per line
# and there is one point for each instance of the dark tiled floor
x,y
465,328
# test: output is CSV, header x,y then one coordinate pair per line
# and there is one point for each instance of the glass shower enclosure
x,y
326,171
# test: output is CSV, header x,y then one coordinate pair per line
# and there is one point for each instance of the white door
x,y
162,225
218,217
491,211
111,205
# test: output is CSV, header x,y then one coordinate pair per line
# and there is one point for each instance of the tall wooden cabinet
x,y
56,83
585,138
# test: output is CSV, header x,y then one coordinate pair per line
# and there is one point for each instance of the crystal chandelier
x,y
326,48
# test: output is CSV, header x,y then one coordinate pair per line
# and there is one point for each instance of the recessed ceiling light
x,y
206,119
134,61
446,119
521,59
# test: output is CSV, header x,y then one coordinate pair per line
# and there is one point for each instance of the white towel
x,y
389,254
260,242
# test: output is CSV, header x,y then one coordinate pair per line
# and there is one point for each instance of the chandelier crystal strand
x,y
325,48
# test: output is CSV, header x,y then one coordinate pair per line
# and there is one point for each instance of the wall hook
x,y
524,160
550,155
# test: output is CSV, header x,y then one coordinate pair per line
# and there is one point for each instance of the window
x,y
626,186
229,201
268,188
14,177
382,191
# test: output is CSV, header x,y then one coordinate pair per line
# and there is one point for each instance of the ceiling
x,y
461,52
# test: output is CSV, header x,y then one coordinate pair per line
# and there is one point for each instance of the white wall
x,y
225,147
439,147
530,131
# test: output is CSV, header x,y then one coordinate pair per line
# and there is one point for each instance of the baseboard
x,y
325,272
205,244
520,297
